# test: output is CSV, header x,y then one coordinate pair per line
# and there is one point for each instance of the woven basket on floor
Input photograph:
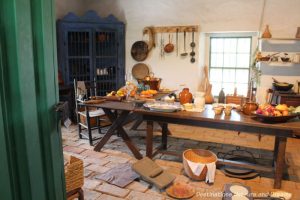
x,y
198,156
74,174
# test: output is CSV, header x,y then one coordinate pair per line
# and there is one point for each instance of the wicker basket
x,y
74,174
197,156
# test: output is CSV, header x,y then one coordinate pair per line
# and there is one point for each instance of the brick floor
x,y
183,137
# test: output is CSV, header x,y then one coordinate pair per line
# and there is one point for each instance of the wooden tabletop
x,y
208,115
236,118
114,105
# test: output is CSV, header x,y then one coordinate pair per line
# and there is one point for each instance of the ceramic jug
x,y
185,96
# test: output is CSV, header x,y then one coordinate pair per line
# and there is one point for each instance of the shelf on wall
x,y
279,38
172,29
273,63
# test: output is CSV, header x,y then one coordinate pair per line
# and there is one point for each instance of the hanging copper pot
x,y
169,47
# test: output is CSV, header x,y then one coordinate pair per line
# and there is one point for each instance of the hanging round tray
x,y
139,50
140,71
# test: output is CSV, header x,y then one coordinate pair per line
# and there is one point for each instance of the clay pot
x,y
249,108
267,33
185,96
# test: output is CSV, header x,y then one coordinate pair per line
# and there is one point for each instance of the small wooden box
x,y
239,100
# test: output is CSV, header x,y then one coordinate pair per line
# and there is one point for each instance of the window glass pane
x,y
216,60
217,45
228,88
229,60
242,76
244,45
230,45
216,88
242,89
215,75
243,60
229,64
228,75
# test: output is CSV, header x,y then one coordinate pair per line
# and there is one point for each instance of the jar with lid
x,y
199,100
185,96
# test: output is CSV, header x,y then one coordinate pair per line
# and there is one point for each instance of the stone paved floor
x,y
183,137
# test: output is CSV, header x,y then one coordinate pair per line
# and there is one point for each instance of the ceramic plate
x,y
239,197
163,107
181,191
239,190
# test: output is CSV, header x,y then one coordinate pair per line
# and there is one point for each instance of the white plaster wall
x,y
65,6
211,15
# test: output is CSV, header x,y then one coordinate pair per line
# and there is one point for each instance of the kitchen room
x,y
208,84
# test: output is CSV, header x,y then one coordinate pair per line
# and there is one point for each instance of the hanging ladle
x,y
185,53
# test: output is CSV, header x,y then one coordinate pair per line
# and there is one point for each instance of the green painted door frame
x,y
31,165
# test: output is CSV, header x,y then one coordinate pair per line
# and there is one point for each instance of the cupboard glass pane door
x,y
106,55
79,55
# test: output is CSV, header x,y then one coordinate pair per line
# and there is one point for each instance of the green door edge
x,y
32,149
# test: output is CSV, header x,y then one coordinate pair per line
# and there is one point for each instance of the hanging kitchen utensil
x,y
184,42
169,47
140,71
139,50
193,45
162,44
177,30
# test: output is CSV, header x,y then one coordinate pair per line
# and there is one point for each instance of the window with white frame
x,y
229,64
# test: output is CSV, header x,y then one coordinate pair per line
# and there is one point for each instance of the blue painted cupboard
x,y
91,48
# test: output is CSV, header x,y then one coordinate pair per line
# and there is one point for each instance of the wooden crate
x,y
239,100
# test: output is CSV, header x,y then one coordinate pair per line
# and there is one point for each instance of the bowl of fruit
x,y
275,113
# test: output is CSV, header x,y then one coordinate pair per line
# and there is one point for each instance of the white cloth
x,y
197,168
211,170
96,113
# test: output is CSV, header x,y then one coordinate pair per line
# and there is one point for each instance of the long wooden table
x,y
207,118
235,122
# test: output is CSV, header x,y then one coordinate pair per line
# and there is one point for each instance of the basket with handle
x,y
73,173
198,156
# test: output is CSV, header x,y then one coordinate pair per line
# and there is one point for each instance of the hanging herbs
x,y
255,72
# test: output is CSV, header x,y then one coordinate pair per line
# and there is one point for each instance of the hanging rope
x,y
262,16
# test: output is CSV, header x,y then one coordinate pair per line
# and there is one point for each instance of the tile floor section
x,y
183,137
